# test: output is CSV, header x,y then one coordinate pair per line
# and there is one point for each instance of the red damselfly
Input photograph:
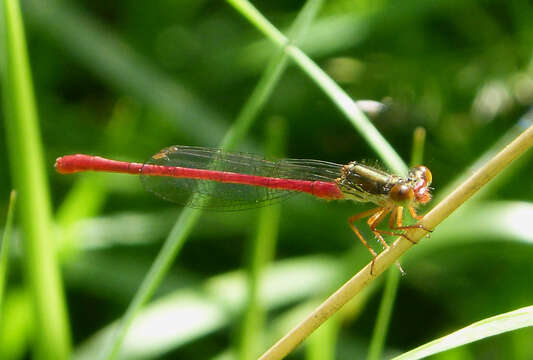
x,y
229,181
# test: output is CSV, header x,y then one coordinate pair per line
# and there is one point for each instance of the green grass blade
x,y
417,152
177,237
274,69
52,335
334,91
216,305
16,325
384,314
483,329
321,345
262,246
4,250
262,253
189,217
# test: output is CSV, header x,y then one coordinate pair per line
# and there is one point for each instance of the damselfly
x,y
222,180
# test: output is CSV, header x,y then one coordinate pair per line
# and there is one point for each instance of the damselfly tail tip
x,y
64,164
60,166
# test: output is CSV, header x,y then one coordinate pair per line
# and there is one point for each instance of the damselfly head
x,y
421,178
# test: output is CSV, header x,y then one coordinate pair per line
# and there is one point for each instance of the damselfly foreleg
x,y
398,224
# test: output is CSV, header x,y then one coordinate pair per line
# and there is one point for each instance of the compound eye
x,y
424,173
402,193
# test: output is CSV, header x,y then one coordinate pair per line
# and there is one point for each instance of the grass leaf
x,y
4,250
52,333
214,305
477,331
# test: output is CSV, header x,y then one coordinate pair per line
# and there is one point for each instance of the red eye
x,y
401,193
422,195
423,180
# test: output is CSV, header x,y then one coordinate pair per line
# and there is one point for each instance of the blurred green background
x,y
125,79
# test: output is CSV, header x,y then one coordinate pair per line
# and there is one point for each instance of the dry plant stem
x,y
353,286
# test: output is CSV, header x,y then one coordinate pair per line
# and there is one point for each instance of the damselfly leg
x,y
397,215
376,217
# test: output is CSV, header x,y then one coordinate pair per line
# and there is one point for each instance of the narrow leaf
x,y
477,331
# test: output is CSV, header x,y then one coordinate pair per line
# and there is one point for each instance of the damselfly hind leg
x,y
373,222
376,216
363,215
395,212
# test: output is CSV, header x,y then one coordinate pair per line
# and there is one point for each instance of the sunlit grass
x,y
483,329
4,248
51,327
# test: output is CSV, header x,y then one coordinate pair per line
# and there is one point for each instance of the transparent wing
x,y
214,195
